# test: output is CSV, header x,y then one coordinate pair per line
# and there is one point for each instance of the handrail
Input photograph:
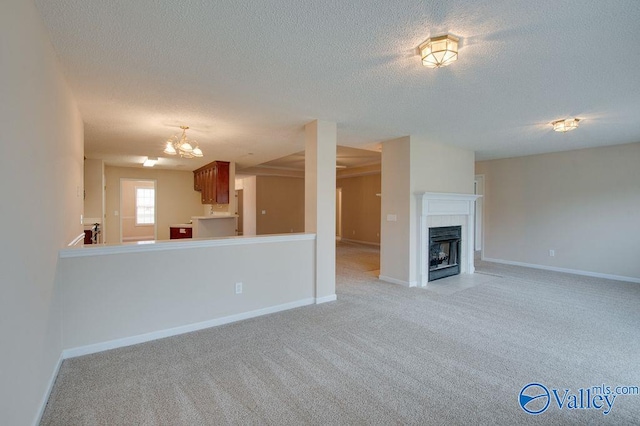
x,y
76,240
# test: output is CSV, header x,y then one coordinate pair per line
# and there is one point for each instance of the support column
x,y
320,203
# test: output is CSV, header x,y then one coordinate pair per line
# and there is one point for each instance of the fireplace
x,y
453,254
444,251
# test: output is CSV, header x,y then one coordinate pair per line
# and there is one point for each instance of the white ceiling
x,y
246,75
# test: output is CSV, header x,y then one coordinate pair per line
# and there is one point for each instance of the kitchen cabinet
x,y
212,181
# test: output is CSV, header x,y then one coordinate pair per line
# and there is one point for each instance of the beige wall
x,y
361,208
41,186
396,201
93,189
410,165
282,199
176,200
440,168
583,204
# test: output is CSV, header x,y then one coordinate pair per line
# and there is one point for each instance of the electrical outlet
x,y
238,288
392,218
264,212
552,252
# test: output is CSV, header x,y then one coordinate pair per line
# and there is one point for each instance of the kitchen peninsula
x,y
212,226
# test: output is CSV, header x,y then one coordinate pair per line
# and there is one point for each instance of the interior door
x,y
479,190
239,210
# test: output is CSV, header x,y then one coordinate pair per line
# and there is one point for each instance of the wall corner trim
x,y
565,270
397,281
47,392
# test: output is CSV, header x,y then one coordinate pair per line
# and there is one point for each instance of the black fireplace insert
x,y
444,251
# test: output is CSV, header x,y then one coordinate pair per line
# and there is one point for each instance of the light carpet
x,y
380,354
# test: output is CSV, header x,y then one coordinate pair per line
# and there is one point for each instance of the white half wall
x,y
41,186
116,296
583,204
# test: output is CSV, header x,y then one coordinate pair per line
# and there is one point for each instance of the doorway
x,y
478,186
338,214
138,212
239,211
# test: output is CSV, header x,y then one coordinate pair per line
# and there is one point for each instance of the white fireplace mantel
x,y
454,206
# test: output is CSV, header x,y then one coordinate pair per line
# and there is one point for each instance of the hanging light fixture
x,y
439,51
183,146
565,125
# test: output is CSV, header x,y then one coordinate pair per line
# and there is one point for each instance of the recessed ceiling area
x,y
247,76
345,158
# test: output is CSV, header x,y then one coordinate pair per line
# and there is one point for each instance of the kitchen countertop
x,y
181,225
215,216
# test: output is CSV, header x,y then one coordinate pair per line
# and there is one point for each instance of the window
x,y
145,206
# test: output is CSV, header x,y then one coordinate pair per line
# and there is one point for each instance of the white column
x,y
320,203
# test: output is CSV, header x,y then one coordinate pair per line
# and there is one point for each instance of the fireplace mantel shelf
x,y
447,196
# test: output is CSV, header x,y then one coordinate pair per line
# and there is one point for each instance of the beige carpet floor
x,y
381,354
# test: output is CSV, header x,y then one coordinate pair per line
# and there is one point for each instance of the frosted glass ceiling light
x,y
183,146
565,125
170,149
439,51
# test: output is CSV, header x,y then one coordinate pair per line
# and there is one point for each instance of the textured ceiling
x,y
247,75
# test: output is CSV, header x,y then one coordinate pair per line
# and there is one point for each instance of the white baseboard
x,y
369,243
47,392
396,281
565,270
141,338
326,299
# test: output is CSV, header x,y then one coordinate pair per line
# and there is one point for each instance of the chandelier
x,y
183,146
439,51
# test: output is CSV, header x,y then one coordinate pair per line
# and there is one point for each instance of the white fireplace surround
x,y
446,209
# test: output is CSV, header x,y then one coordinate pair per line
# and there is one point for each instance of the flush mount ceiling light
x,y
565,125
150,161
183,146
439,51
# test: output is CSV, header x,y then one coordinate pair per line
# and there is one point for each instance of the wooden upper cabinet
x,y
212,181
